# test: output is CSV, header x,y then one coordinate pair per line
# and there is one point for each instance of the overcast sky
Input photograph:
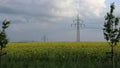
x,y
32,19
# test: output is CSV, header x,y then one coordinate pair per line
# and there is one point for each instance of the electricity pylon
x,y
44,38
79,24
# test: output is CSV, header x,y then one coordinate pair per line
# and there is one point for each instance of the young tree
x,y
3,37
111,30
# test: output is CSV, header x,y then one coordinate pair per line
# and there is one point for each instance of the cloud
x,y
91,8
45,15
64,8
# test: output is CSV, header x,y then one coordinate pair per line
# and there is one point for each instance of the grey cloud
x,y
7,10
52,17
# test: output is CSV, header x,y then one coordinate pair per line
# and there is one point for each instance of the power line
x,y
96,28
78,23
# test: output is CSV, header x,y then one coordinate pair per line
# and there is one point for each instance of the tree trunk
x,y
0,55
112,57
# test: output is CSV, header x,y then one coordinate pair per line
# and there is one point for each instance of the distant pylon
x,y
78,24
44,38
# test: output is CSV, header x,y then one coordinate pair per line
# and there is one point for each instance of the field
x,y
59,55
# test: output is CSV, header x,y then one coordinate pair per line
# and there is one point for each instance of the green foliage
x,y
3,37
111,30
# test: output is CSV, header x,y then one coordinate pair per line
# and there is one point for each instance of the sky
x,y
31,20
